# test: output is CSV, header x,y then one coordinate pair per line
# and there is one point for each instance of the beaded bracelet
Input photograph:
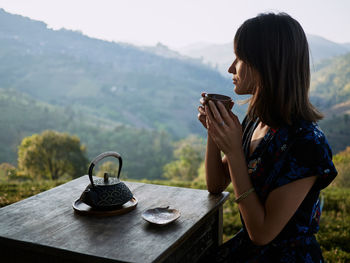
x,y
244,195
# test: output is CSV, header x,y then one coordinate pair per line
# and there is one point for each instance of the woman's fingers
x,y
202,100
214,125
202,117
201,110
224,113
203,120
220,115
216,113
223,127
208,113
211,122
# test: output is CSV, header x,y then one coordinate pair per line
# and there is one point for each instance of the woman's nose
x,y
232,68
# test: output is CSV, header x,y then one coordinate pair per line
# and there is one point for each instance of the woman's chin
x,y
238,91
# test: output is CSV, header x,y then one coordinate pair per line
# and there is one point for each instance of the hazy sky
x,y
177,23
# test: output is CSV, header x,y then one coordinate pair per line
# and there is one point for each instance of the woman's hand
x,y
202,117
224,128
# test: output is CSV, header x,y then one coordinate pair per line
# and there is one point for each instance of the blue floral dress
x,y
283,156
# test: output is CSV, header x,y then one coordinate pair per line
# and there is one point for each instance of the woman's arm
x,y
216,168
263,221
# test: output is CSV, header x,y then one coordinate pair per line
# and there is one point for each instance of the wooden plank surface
x,y
47,220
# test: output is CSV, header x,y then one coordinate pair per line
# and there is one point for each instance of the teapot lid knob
x,y
105,177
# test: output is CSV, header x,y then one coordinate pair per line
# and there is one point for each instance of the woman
x,y
278,160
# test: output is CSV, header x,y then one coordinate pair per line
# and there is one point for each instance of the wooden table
x,y
45,228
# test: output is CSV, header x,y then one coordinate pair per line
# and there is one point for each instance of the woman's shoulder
x,y
300,133
308,130
307,153
305,141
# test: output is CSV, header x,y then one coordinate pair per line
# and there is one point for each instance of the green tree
x,y
52,155
188,154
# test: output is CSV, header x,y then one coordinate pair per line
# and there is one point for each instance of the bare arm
x,y
216,169
265,221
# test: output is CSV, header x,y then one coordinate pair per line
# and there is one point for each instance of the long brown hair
x,y
275,46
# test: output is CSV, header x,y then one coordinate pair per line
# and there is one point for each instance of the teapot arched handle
x,y
99,158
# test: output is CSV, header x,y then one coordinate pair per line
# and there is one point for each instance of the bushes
x,y
15,190
337,199
342,163
334,233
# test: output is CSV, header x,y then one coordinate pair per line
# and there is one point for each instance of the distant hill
x,y
220,56
22,115
330,90
144,152
164,51
330,84
336,128
321,48
117,81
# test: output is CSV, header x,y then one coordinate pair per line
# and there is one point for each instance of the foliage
x,y
334,233
15,190
52,154
188,154
7,171
342,163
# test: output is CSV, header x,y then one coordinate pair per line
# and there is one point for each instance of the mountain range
x,y
220,56
113,80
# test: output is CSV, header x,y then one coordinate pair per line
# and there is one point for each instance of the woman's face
x,y
244,78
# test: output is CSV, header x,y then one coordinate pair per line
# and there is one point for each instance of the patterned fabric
x,y
283,156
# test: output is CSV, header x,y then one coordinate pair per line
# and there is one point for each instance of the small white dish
x,y
160,215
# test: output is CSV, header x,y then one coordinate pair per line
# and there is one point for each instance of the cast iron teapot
x,y
106,193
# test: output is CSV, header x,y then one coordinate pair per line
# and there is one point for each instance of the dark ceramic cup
x,y
226,100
